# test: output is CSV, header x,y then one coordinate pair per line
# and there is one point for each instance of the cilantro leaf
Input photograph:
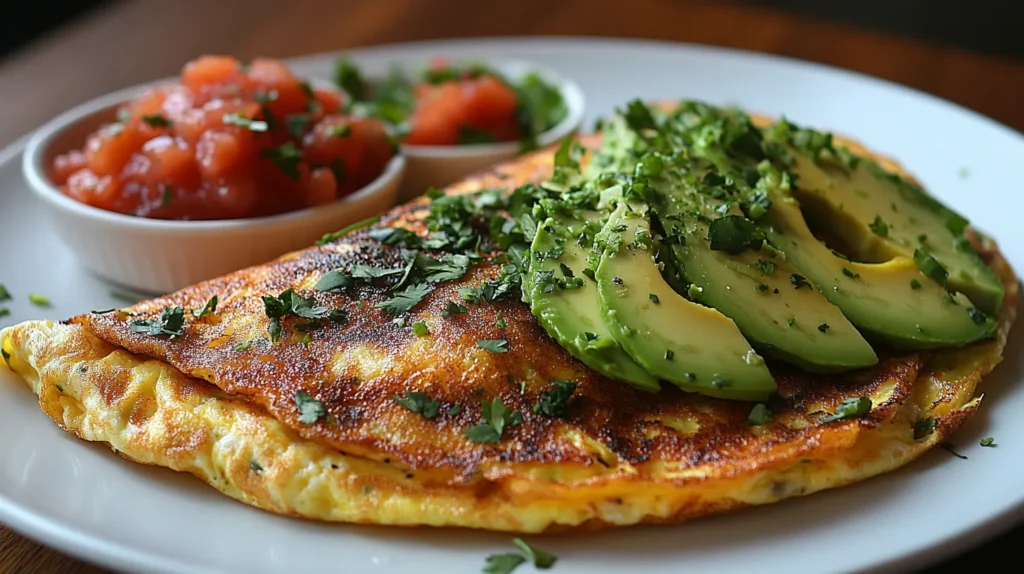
x,y
5,295
310,409
418,402
360,271
879,227
170,322
242,121
554,400
850,408
541,560
420,329
287,158
208,309
335,235
799,281
156,121
334,280
502,563
765,267
453,308
735,234
989,442
493,345
404,301
496,418
348,77
39,300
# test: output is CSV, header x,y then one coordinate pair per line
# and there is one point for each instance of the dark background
x,y
988,26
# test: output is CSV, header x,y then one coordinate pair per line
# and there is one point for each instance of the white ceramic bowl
x,y
438,166
160,256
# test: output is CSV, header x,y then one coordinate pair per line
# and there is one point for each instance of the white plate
x,y
86,501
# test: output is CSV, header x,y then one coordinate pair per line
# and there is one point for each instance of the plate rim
x,y
86,546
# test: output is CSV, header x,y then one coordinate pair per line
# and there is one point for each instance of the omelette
x,y
394,374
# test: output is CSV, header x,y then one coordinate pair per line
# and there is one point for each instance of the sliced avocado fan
x,y
692,346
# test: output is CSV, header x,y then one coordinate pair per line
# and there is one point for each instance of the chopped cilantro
x,y
242,346
989,442
735,234
500,322
791,322
759,415
418,402
255,466
823,327
496,418
956,224
39,300
290,303
930,266
977,315
335,235
765,267
502,563
850,274
654,298
455,410
541,560
298,124
286,157
208,309
493,345
5,295
167,197
915,284
403,301
923,427
420,329
799,281
850,408
340,131
156,121
348,77
553,401
249,123
761,287
310,409
453,308
669,354
170,322
879,227
334,280
6,356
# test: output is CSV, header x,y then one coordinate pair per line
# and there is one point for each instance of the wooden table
x,y
138,41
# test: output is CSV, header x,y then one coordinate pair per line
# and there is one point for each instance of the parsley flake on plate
x,y
541,560
39,300
989,442
502,563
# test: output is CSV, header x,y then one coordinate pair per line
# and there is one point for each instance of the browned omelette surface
x,y
620,456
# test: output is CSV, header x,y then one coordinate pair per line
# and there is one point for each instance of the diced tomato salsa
x,y
232,140
457,104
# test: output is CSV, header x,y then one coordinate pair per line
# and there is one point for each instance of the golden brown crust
x,y
620,457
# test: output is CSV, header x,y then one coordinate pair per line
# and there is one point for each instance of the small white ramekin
x,y
437,166
160,256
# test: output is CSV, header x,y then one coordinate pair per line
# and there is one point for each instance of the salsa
x,y
232,140
451,104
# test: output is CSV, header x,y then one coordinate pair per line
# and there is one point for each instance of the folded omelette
x,y
393,374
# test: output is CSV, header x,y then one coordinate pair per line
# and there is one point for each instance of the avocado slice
x,y
570,314
755,290
878,216
893,301
693,346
